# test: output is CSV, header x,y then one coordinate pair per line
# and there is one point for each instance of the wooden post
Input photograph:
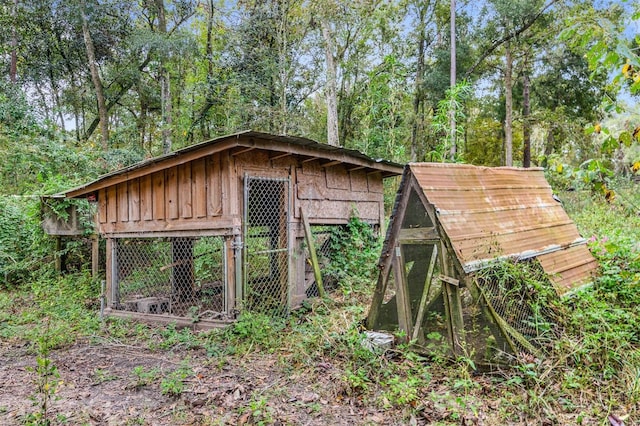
x,y
425,294
312,252
387,255
57,256
452,302
95,255
402,296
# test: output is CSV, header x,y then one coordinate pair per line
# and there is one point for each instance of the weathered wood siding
x,y
184,197
331,194
206,194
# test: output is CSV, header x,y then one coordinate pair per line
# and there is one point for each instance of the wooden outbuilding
x,y
203,233
450,225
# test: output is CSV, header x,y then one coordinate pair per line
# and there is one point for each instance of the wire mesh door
x,y
266,248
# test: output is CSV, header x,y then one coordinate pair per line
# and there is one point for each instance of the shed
x,y
450,222
205,232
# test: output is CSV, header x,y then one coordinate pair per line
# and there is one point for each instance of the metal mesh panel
x,y
322,243
266,245
522,307
182,276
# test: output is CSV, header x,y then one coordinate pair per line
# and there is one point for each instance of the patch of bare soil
x,y
98,385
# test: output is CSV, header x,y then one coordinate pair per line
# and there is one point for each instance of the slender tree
x,y
95,77
452,80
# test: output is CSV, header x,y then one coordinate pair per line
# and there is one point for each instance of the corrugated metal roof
x,y
505,212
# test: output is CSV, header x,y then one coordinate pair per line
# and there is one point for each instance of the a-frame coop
x,y
451,223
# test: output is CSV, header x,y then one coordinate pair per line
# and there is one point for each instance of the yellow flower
x,y
626,70
597,128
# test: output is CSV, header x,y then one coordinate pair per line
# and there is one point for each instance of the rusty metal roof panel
x,y
569,268
499,212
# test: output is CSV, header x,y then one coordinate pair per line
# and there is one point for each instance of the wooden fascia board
x,y
152,167
248,143
330,155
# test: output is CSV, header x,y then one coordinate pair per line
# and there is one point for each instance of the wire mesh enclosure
x,y
266,245
324,253
504,311
183,276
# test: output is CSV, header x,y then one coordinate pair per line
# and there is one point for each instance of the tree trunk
x,y
551,141
452,111
165,85
508,104
283,66
95,77
526,125
13,68
418,98
331,89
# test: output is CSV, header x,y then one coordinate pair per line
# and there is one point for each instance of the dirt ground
x,y
98,386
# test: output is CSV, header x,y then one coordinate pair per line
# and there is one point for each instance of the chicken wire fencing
x,y
266,245
179,276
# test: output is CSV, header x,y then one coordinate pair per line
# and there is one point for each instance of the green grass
x,y
592,370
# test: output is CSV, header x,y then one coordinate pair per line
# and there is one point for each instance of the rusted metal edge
x,y
477,265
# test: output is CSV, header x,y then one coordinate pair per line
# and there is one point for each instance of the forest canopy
x,y
91,86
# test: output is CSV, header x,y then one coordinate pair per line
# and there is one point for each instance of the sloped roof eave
x,y
349,156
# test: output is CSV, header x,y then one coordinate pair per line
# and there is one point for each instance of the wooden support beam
x,y
308,160
402,293
280,155
331,163
489,313
242,151
58,254
312,251
453,304
95,255
449,280
400,205
418,235
425,295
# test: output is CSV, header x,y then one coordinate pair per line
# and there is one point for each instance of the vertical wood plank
x,y
134,200
226,183
185,195
214,186
198,171
171,186
102,206
158,196
146,198
112,206
123,202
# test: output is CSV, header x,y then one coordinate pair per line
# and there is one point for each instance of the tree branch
x,y
507,37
